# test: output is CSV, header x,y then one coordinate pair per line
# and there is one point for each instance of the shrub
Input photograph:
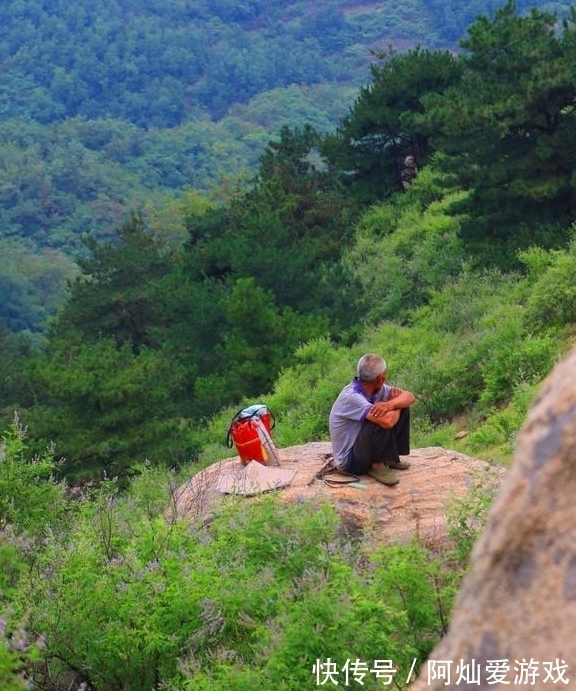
x,y
129,599
31,507
467,516
552,302
401,255
17,654
496,435
516,359
30,499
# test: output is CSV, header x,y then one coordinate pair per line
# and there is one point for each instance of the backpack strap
x,y
229,442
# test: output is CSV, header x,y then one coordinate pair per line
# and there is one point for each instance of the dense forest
x,y
114,106
432,222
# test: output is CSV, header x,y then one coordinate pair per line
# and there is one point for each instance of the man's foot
x,y
398,465
384,475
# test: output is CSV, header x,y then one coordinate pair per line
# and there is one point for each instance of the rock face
x,y
518,603
416,506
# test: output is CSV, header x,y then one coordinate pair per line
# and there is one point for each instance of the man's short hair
x,y
370,366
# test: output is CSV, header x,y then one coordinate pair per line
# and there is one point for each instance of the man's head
x,y
371,367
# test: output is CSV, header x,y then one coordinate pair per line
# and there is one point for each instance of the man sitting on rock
x,y
370,424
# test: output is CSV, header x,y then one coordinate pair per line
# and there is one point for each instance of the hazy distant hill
x,y
159,64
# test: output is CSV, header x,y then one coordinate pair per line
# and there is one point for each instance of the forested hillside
x,y
330,240
113,106
433,223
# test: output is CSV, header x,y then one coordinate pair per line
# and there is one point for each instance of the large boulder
x,y
514,621
417,506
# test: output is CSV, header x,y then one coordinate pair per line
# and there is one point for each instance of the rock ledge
x,y
416,506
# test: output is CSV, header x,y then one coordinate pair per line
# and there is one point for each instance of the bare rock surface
x,y
515,616
416,506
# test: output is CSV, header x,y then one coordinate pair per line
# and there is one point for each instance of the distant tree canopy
x,y
158,64
455,17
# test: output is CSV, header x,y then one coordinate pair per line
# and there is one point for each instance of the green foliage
x,y
33,285
104,407
259,341
157,66
264,593
424,592
28,493
536,260
59,182
495,436
552,300
459,305
519,359
300,401
13,348
287,232
192,96
303,393
465,354
134,589
371,144
166,67
467,516
132,103
32,506
455,17
479,350
503,137
17,655
403,251
152,336
115,295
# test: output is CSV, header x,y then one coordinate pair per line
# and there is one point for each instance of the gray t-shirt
x,y
347,416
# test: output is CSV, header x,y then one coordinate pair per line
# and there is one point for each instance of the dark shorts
x,y
374,444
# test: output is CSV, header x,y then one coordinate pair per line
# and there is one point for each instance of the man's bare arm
x,y
399,398
383,418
